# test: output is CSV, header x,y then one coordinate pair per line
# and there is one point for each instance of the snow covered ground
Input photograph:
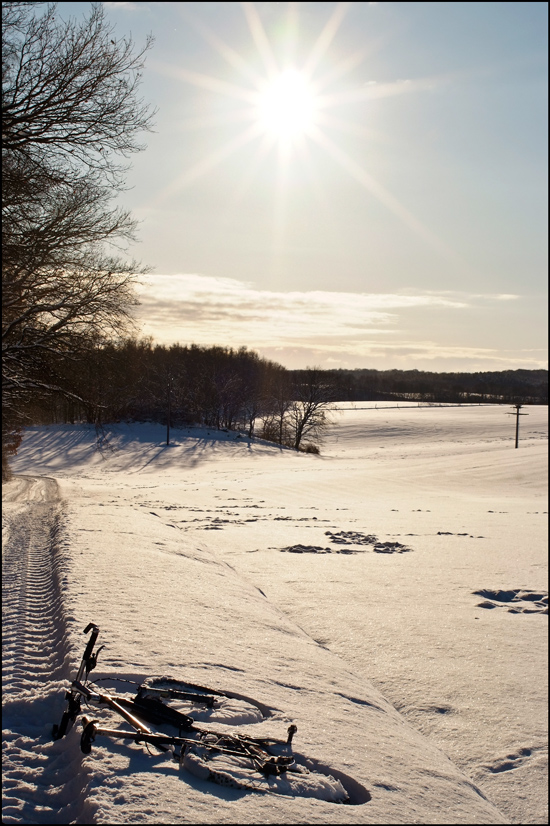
x,y
389,597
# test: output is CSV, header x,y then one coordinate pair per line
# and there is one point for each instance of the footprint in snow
x,y
351,538
519,601
305,549
390,548
511,761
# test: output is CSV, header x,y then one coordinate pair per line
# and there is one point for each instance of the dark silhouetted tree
x,y
313,399
70,119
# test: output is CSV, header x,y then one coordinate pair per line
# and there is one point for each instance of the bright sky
x,y
345,184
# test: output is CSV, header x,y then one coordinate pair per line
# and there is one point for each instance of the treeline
x,y
237,389
218,387
498,387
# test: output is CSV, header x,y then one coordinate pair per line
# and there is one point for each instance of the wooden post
x,y
169,393
517,414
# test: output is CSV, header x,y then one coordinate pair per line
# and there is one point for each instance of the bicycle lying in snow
x,y
192,724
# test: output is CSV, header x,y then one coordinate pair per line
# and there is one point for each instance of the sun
x,y
288,109
286,106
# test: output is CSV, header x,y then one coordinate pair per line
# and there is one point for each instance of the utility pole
x,y
517,414
169,394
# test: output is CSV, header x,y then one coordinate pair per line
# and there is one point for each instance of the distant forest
x,y
514,386
226,388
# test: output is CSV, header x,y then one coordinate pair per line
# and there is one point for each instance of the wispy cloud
x,y
406,355
296,327
203,308
127,6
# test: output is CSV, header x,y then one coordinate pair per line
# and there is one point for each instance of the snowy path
x,y
35,658
30,590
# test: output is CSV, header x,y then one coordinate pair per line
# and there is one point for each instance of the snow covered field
x,y
389,597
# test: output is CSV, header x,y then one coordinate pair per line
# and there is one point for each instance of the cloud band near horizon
x,y
332,329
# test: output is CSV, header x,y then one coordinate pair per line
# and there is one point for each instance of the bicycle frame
x,y
255,749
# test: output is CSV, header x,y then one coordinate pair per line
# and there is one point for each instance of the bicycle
x,y
225,756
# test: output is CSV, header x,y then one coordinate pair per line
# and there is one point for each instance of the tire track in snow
x,y
33,639
43,781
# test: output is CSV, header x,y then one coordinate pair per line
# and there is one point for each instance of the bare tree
x,y
69,92
48,316
312,402
70,118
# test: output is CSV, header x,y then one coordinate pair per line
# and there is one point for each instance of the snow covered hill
x,y
387,597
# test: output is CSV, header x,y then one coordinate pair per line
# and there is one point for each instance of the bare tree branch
x,y
71,117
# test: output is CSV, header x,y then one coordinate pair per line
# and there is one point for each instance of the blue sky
x,y
402,223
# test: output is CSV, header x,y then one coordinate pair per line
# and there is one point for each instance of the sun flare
x,y
287,105
287,110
